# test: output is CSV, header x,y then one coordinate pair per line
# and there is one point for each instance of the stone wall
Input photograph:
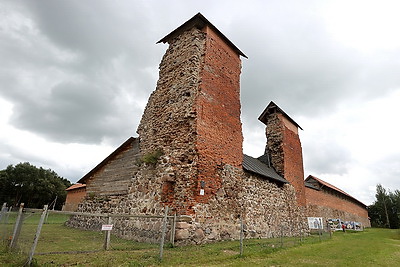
x,y
169,120
267,210
331,206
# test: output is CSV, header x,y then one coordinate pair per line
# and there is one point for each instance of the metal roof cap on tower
x,y
199,21
272,108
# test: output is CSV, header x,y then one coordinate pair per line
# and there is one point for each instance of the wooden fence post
x,y
164,229
108,235
36,239
172,237
17,227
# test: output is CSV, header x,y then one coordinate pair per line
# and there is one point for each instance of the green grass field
x,y
373,247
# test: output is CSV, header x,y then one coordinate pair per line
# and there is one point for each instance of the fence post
x,y
36,239
301,235
320,232
281,235
164,229
241,236
4,221
108,235
172,239
3,211
17,227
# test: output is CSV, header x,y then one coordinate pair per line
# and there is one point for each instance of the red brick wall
x,y
330,200
74,197
219,129
286,153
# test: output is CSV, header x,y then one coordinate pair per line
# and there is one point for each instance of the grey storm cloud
x,y
82,71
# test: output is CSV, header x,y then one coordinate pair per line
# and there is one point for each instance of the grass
x,y
373,247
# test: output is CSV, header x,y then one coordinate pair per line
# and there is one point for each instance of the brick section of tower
x,y
219,129
284,147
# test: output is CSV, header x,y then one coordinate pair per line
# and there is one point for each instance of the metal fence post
x,y
320,232
39,228
241,236
4,221
281,235
330,230
164,229
17,227
3,211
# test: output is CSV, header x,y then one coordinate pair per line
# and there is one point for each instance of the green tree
x,y
25,183
385,211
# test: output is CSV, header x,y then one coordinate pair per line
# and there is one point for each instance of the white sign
x,y
201,192
315,223
106,227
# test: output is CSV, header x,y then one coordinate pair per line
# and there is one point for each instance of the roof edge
x,y
104,161
199,21
333,188
272,108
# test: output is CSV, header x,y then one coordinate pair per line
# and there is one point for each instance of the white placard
x,y
201,192
106,227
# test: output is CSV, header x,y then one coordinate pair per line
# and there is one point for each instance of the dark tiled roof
x,y
310,185
256,166
272,108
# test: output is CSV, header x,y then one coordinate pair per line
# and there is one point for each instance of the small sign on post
x,y
106,227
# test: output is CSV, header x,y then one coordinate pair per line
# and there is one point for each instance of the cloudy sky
x,y
75,77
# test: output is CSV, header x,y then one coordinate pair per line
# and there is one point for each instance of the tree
x,y
385,211
25,183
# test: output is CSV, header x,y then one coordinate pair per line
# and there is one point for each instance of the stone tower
x,y
193,116
284,148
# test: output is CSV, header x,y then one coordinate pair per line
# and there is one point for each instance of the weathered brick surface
x,y
328,204
74,197
219,129
284,147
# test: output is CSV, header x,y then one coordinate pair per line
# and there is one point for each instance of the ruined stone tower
x,y
188,156
193,116
284,148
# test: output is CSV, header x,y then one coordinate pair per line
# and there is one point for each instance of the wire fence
x,y
39,232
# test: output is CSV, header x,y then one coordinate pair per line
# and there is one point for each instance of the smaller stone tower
x,y
284,148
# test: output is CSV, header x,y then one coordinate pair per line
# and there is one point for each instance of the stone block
x,y
182,234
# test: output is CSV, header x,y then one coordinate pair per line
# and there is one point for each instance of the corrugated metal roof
x,y
256,166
